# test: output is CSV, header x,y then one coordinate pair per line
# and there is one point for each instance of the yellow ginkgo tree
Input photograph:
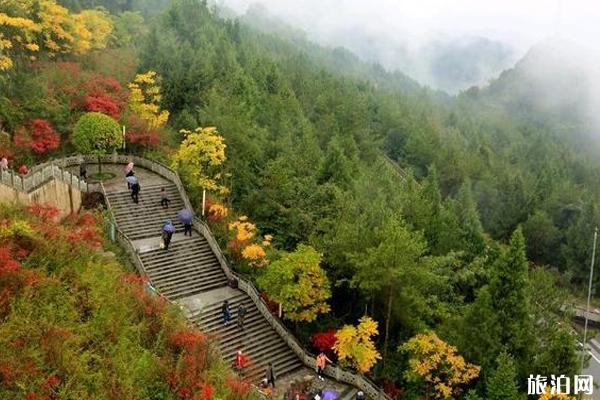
x,y
354,345
144,100
200,158
17,36
30,29
437,367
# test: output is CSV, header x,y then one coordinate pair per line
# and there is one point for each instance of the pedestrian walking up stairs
x,y
145,219
259,341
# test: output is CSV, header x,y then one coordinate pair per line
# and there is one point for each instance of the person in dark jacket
x,y
135,191
270,375
167,233
83,171
241,315
226,312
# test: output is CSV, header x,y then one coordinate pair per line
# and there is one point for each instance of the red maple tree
x,y
38,136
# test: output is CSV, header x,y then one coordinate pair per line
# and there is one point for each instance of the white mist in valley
x,y
442,44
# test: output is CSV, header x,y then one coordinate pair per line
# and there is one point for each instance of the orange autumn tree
x,y
354,345
244,244
437,367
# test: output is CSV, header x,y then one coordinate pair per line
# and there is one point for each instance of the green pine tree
x,y
501,383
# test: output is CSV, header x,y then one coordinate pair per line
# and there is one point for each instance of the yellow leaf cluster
x,y
218,210
267,239
548,396
354,346
438,365
45,26
243,229
256,255
15,32
98,23
144,100
200,157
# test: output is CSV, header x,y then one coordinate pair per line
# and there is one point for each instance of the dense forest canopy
x,y
429,212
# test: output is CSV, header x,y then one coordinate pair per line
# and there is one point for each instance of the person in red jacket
x,y
240,362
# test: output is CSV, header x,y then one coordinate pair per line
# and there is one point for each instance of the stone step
x,y
210,322
200,256
186,281
231,331
176,253
216,307
168,273
181,293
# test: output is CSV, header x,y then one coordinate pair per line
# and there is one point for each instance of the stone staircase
x,y
259,341
190,270
189,267
145,219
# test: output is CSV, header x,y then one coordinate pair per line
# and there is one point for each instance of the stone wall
x,y
54,192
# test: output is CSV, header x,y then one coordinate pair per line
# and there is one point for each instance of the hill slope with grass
x,y
76,325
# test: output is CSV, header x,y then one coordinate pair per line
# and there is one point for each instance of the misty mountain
x,y
555,85
448,63
455,64
337,59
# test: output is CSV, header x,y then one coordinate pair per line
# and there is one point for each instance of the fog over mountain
x,y
445,45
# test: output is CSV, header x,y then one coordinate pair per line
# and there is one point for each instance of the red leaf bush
x,y
38,136
324,341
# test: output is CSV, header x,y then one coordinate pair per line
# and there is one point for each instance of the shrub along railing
x,y
332,370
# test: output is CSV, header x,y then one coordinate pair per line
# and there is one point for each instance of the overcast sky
x,y
520,23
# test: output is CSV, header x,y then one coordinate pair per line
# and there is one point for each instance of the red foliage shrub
x,y
236,247
187,379
147,139
45,213
189,341
38,136
206,392
13,279
391,389
102,103
240,388
85,231
138,133
53,380
7,263
324,341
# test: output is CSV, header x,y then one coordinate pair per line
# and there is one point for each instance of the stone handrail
x,y
39,176
334,371
122,238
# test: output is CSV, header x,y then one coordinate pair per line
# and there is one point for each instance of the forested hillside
x,y
478,237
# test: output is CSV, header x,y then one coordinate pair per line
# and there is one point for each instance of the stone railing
x,y
40,175
334,371
119,236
